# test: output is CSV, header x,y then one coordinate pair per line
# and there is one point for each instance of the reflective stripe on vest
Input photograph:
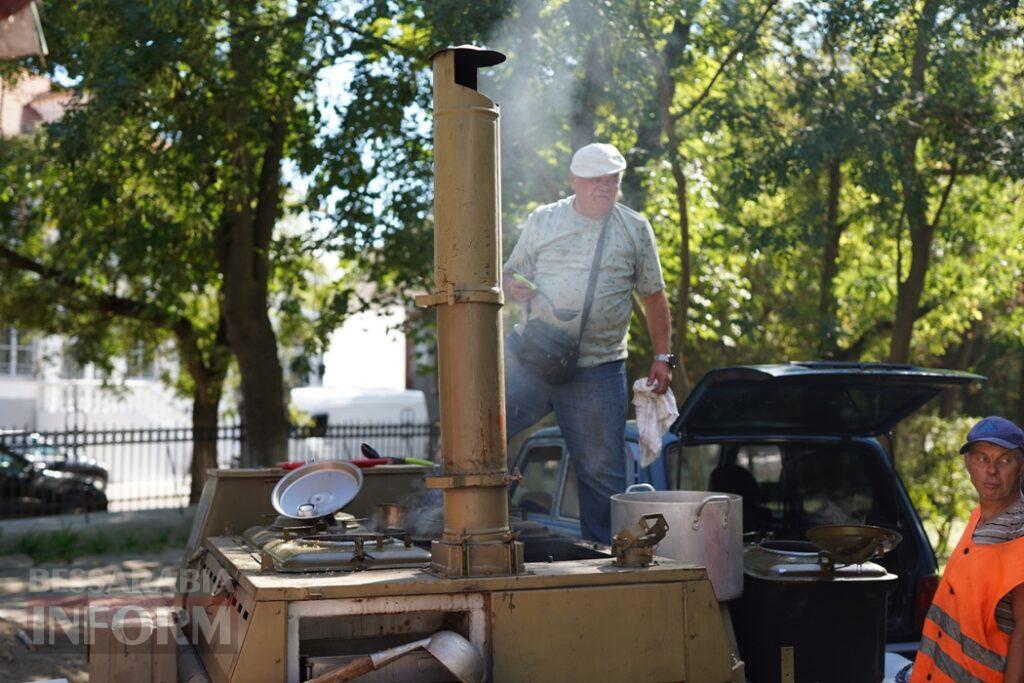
x,y
945,663
970,646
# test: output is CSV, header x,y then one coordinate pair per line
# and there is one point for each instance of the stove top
x,y
292,550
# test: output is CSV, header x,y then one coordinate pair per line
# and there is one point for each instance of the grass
x,y
67,544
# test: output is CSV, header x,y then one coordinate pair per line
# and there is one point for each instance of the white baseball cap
x,y
596,159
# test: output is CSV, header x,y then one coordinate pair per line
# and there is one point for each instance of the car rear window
x,y
537,489
790,488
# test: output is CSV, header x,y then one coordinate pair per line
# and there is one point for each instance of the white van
x,y
396,423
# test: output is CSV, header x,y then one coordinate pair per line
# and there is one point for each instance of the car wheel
x,y
80,503
75,506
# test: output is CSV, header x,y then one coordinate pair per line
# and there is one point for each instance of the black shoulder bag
x,y
550,352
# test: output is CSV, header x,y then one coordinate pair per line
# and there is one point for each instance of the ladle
x,y
456,653
563,314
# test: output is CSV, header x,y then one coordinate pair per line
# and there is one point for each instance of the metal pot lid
x,y
317,489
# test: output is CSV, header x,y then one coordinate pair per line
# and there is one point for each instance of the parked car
x,y
547,491
30,487
36,448
801,442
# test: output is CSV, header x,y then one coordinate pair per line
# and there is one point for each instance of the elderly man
x,y
974,630
575,267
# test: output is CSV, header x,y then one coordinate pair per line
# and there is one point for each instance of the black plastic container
x,y
834,621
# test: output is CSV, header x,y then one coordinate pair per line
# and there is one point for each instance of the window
x,y
765,463
690,466
569,505
536,492
140,363
797,487
70,368
832,488
17,353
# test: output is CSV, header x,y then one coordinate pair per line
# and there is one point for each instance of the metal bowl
x,y
317,489
854,543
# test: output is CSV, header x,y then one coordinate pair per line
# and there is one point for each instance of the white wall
x,y
18,401
367,353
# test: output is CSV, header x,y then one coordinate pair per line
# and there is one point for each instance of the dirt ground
x,y
23,585
18,664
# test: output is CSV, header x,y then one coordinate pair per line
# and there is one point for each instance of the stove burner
x,y
330,548
292,527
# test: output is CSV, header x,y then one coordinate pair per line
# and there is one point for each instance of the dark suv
x,y
801,442
31,487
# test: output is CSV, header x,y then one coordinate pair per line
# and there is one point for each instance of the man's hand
x,y
660,327
517,290
660,373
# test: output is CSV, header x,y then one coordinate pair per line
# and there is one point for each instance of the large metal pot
x,y
705,528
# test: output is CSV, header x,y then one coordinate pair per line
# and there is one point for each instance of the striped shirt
x,y
1008,525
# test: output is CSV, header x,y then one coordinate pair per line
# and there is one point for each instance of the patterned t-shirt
x,y
1008,525
556,250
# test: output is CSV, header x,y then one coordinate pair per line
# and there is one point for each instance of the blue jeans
x,y
591,412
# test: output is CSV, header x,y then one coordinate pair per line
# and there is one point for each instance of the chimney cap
x,y
478,57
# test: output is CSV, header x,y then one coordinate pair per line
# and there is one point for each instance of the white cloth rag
x,y
654,414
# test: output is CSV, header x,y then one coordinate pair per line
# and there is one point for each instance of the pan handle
x,y
633,488
716,498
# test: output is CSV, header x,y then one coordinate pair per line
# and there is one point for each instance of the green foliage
x,y
769,111
928,460
68,544
129,207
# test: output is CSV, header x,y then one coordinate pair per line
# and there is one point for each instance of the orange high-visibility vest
x,y
961,642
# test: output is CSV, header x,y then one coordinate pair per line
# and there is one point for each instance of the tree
x,y
166,184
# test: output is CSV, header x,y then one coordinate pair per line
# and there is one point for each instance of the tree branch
x,y
106,303
945,194
856,348
725,62
268,192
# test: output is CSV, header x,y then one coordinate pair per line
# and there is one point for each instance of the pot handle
x,y
633,488
717,498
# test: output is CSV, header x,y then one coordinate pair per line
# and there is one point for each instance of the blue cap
x,y
997,430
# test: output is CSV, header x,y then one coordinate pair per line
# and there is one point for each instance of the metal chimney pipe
x,y
477,540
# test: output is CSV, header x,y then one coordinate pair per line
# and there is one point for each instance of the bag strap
x,y
595,269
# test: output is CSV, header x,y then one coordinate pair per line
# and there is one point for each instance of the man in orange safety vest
x,y
974,630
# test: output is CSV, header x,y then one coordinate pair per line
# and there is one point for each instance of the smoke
x,y
540,90
547,90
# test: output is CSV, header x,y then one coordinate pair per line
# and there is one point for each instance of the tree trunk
x,y
245,232
915,195
584,114
254,344
205,402
672,57
832,232
680,380
959,357
207,370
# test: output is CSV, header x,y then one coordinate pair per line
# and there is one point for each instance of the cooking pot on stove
x,y
391,516
704,528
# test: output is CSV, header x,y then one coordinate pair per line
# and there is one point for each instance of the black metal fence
x,y
138,469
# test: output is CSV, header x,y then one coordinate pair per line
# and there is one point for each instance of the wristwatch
x,y
667,358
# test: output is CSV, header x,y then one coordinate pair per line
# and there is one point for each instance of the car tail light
x,y
926,587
